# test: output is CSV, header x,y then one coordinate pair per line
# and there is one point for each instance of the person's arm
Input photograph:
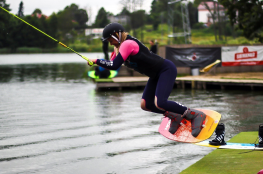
x,y
127,48
112,65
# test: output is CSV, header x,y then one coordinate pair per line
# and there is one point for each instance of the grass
x,y
229,161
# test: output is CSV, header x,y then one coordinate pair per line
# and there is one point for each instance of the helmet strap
x,y
119,37
114,37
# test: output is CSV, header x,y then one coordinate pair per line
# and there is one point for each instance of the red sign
x,y
246,54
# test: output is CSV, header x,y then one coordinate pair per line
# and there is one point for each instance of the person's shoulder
x,y
129,43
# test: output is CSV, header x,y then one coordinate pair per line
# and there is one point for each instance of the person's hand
x,y
92,60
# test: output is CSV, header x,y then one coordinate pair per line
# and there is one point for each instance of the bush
x,y
205,42
233,42
243,41
199,25
79,47
5,50
28,50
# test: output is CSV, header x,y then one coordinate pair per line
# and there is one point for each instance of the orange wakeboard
x,y
183,134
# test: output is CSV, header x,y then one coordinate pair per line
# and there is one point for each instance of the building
x,y
97,32
204,15
94,32
121,19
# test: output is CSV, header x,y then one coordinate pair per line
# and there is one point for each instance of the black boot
x,y
260,136
197,118
175,121
220,135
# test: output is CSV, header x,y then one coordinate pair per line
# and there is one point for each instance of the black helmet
x,y
110,29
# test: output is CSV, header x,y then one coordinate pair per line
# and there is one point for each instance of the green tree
x,y
67,22
45,27
81,17
101,19
21,10
137,21
155,13
37,11
52,30
4,24
162,5
248,15
28,36
124,11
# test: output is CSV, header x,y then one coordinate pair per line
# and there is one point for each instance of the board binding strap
x,y
183,134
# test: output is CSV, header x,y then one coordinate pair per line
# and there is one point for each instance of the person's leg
x,y
104,73
163,89
147,102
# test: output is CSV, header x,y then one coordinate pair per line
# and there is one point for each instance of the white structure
x,y
95,32
185,18
204,15
122,19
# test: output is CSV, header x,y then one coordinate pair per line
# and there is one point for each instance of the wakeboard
x,y
183,134
91,74
244,146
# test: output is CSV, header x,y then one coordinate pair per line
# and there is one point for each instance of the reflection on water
x,y
43,72
53,121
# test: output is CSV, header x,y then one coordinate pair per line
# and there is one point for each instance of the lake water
x,y
52,121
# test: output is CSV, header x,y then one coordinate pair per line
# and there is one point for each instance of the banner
x,y
193,57
242,55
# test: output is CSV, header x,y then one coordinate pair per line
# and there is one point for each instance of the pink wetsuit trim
x,y
127,48
113,56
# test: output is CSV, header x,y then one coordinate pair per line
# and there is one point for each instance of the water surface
x,y
53,121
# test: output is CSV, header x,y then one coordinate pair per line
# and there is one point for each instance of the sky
x,y
49,6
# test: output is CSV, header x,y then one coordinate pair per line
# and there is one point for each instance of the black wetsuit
x,y
162,73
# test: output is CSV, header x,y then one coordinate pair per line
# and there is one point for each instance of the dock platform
x,y
248,81
193,82
202,82
121,82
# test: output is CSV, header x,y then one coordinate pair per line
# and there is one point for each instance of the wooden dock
x,y
121,82
202,82
193,82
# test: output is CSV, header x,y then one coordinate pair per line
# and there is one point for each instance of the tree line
x,y
63,25
72,21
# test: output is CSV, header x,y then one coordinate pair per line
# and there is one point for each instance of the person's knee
x,y
143,105
159,104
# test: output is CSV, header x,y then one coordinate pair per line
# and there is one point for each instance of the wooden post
x,y
199,85
193,84
204,85
252,87
183,85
